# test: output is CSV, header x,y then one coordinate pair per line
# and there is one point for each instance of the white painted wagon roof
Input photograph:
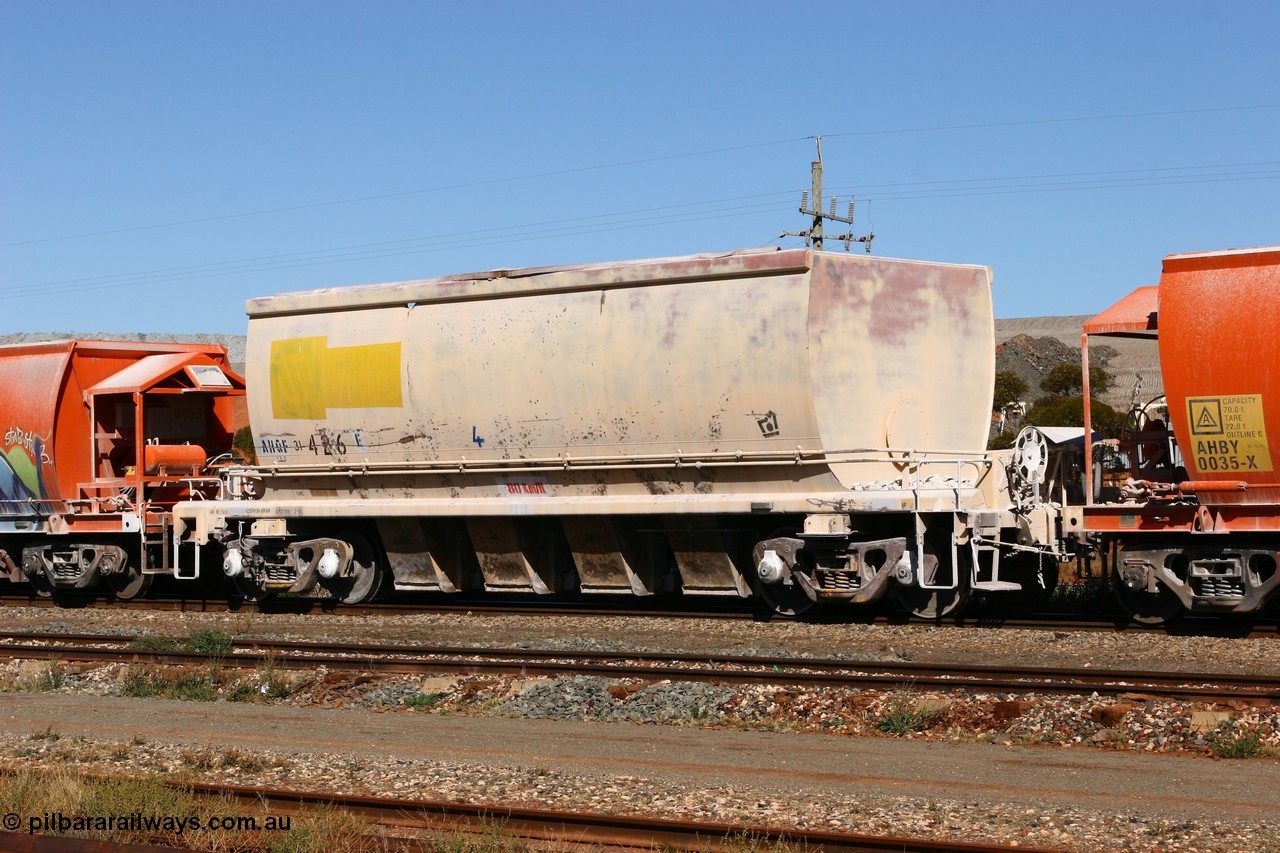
x,y
736,263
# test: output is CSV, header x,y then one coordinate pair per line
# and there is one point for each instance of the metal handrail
x,y
678,459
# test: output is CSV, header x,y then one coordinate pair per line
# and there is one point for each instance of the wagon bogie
x,y
1159,578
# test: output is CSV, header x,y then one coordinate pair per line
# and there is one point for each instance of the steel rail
x,y
22,842
724,669
607,831
737,609
585,828
1192,625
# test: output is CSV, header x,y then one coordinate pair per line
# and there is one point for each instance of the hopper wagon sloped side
x,y
805,426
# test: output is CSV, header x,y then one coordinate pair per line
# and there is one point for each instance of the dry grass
x,y
326,829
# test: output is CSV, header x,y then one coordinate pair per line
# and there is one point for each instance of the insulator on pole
x,y
813,235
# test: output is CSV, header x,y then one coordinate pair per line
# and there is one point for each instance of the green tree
x,y
1001,440
1069,411
1010,387
242,443
1066,380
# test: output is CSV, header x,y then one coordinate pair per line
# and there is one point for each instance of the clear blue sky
x,y
164,161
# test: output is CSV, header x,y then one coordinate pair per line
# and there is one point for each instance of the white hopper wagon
x,y
805,426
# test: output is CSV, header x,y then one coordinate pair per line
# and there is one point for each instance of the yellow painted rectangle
x,y
1228,434
308,377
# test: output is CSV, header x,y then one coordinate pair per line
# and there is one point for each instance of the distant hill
x,y
233,343
1032,346
1065,329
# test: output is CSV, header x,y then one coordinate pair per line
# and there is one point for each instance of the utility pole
x,y
814,236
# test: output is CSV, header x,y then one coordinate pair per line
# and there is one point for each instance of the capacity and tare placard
x,y
1228,433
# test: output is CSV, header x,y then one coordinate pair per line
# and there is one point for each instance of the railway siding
x,y
1218,714
350,732
1079,799
1120,720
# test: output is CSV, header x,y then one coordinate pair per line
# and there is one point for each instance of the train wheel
x,y
247,589
1135,573
40,586
33,568
128,584
782,598
786,600
233,567
931,603
366,576
936,603
1148,608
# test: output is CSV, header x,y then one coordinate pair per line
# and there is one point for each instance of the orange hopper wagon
x,y
99,440
1198,525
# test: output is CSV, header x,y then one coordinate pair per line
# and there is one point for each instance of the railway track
x,y
602,830
1191,625
402,818
20,842
722,669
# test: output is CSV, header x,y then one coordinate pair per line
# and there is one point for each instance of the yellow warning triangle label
x,y
1205,420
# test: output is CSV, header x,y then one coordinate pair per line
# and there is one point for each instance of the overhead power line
x,y
1030,122
654,217
324,257
458,238
402,193
993,185
622,164
867,188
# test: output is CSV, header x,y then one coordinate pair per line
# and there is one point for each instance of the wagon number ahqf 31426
x,y
321,443
331,445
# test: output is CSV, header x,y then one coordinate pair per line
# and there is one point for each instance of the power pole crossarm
x,y
813,236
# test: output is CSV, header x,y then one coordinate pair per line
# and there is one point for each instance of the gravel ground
x,y
1105,650
1004,720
